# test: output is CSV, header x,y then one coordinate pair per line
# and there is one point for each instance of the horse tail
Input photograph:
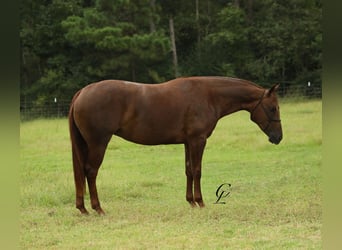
x,y
79,150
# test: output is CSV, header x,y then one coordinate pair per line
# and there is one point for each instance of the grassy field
x,y
275,200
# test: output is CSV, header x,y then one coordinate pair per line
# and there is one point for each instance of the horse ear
x,y
273,89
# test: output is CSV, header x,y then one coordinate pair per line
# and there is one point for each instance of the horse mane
x,y
228,80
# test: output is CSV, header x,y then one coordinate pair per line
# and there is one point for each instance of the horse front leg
x,y
189,177
196,148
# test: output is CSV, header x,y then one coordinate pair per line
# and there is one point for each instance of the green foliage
x,y
119,47
291,45
226,46
68,44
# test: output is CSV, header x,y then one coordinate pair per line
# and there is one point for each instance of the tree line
x,y
67,44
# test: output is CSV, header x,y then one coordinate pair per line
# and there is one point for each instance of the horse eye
x,y
273,109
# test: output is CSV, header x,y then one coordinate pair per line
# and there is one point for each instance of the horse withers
x,y
180,111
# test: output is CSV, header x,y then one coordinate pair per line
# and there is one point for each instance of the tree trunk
x,y
151,17
250,11
197,22
173,46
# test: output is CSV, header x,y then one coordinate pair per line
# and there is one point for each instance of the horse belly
x,y
152,131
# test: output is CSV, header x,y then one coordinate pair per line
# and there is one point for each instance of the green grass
x,y
275,201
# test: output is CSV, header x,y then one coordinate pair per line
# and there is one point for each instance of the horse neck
x,y
230,98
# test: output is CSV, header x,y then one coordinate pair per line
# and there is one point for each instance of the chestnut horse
x,y
180,111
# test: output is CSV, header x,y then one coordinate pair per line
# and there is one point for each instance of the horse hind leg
x,y
79,155
95,158
80,191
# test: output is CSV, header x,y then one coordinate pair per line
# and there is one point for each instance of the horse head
x,y
266,114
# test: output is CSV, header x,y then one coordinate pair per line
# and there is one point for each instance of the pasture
x,y
275,200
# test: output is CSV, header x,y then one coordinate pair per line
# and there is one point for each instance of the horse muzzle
x,y
275,139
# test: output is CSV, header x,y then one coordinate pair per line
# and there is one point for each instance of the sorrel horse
x,y
180,111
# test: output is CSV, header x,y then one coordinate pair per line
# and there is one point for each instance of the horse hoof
x,y
201,204
192,203
100,211
84,211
